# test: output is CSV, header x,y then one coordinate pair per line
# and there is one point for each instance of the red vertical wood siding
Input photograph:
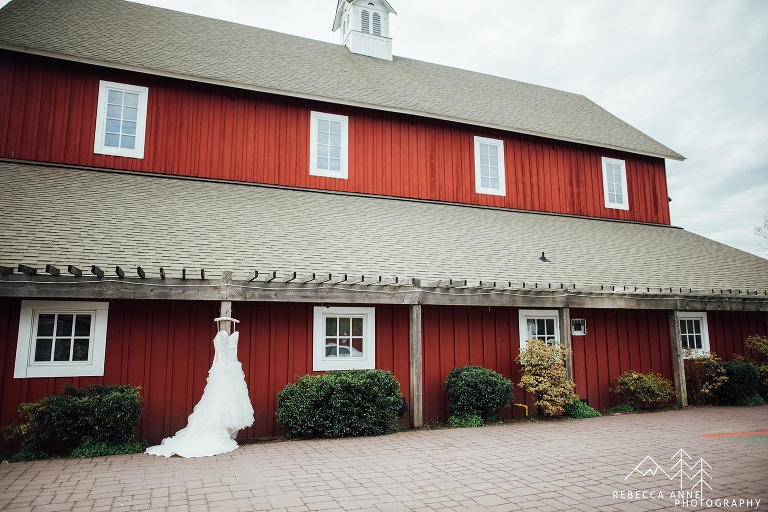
x,y
166,348
728,330
455,336
618,341
48,113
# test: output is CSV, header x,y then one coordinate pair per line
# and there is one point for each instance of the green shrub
x,y
89,449
340,404
477,391
741,384
578,409
621,408
79,417
545,376
704,374
643,389
465,420
758,347
749,401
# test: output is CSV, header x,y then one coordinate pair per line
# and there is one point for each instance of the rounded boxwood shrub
x,y
97,420
340,404
477,391
741,386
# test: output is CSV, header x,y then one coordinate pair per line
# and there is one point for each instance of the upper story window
x,y
539,324
328,145
615,184
376,24
489,167
121,119
344,338
694,333
61,339
365,22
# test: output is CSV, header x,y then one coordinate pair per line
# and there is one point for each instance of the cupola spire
x,y
364,27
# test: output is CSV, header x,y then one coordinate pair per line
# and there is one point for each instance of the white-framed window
x,y
615,184
343,338
61,339
489,167
328,145
694,333
121,120
365,22
539,324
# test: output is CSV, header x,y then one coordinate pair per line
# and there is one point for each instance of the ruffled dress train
x,y
224,408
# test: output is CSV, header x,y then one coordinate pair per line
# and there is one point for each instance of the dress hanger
x,y
225,318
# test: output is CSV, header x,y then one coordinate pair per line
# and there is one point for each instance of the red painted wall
x,y
618,341
166,348
468,336
48,112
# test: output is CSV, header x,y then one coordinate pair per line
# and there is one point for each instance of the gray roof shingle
x,y
205,49
66,216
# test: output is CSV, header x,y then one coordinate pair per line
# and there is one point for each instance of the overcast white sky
x,y
692,74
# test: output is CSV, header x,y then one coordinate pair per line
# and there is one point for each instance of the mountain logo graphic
x,y
695,474
648,466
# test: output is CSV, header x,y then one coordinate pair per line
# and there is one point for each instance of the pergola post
x,y
417,413
226,310
678,365
565,339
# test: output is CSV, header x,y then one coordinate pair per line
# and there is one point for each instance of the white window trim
x,y
624,193
502,190
702,316
26,366
313,170
321,363
101,120
525,314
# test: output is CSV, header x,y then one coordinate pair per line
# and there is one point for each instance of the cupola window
x,y
376,24
365,22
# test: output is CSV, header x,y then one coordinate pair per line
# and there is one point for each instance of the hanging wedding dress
x,y
223,409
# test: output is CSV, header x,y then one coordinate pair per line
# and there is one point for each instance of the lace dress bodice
x,y
226,347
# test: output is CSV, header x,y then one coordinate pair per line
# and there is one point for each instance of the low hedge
x,y
477,391
341,404
579,410
98,420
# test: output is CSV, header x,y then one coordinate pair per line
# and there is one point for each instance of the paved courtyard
x,y
557,465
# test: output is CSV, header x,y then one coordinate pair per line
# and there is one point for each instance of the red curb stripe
x,y
737,434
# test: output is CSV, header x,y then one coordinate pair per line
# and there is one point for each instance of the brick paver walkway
x,y
558,465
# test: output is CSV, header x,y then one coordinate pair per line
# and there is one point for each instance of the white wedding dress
x,y
223,409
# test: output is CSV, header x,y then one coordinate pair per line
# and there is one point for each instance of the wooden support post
x,y
565,339
417,412
226,310
678,367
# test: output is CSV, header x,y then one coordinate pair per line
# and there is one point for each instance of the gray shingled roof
x,y
134,36
66,216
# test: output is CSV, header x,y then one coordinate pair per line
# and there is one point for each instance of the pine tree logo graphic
x,y
694,475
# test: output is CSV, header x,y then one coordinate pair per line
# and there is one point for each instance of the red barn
x,y
351,208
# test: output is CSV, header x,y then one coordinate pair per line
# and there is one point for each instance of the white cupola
x,y
364,27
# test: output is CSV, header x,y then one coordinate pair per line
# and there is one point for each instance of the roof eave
x,y
672,155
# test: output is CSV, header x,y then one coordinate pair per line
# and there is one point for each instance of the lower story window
x,y
539,324
61,339
694,334
344,338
